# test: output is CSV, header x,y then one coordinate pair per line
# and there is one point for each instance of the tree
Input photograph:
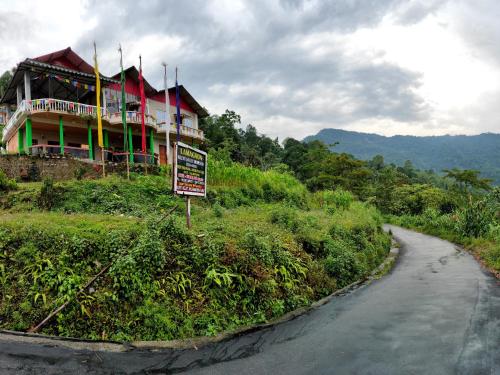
x,y
377,162
4,82
468,179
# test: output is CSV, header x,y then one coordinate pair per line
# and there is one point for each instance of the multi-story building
x,y
56,112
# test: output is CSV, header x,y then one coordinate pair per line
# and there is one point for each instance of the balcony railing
x,y
76,152
62,106
184,130
132,118
82,153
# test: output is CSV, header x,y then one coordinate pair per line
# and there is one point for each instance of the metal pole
x,y
167,110
188,211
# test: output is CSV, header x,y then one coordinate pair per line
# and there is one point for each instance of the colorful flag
x,y
143,107
124,109
98,99
178,106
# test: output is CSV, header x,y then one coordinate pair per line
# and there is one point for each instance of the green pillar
x,y
130,145
91,143
151,142
106,138
29,136
20,140
61,135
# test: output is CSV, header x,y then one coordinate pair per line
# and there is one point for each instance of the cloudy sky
x,y
292,67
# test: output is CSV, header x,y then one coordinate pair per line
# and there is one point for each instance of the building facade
x,y
56,113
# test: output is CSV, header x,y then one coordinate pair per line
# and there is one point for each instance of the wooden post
x,y
188,211
103,163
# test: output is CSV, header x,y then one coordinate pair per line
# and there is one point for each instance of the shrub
x,y
49,195
474,219
342,263
287,218
6,184
334,198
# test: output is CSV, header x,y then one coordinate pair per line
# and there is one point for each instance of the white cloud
x,y
291,68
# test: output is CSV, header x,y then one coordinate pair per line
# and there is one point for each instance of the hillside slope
x,y
480,152
260,245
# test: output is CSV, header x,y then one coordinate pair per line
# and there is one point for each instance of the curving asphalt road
x,y
436,312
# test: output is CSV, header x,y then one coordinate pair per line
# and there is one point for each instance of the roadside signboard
x,y
190,171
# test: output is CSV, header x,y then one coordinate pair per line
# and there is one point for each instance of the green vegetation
x,y
6,184
280,228
261,245
435,152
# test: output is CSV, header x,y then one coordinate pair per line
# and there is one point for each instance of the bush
x,y
342,263
6,184
49,195
474,219
334,198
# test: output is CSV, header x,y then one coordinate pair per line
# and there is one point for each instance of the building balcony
x,y
84,154
85,112
132,118
76,152
184,130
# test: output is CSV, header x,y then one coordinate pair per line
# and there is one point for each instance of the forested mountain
x,y
480,152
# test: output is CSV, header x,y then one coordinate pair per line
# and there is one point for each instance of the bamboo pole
x,y
60,308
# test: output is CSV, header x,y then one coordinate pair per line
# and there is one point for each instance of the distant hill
x,y
481,152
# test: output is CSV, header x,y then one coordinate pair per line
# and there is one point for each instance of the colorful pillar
x,y
20,140
151,142
61,135
91,143
130,145
29,136
106,138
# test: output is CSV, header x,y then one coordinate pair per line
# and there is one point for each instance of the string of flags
x,y
69,81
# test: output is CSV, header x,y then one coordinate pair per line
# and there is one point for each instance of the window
x,y
188,121
72,144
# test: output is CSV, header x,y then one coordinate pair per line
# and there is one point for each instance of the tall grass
x,y
229,174
248,183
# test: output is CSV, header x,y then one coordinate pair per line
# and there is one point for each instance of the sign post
x,y
190,174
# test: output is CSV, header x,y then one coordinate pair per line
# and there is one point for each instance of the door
x,y
163,155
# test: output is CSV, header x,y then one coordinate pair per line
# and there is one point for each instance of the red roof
x,y
67,59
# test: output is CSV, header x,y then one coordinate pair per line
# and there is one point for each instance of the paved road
x,y
437,312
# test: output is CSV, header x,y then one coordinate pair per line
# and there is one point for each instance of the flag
x,y
124,109
178,107
143,107
98,99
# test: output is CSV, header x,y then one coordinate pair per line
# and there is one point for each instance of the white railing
x,y
57,105
132,118
21,109
63,106
184,130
